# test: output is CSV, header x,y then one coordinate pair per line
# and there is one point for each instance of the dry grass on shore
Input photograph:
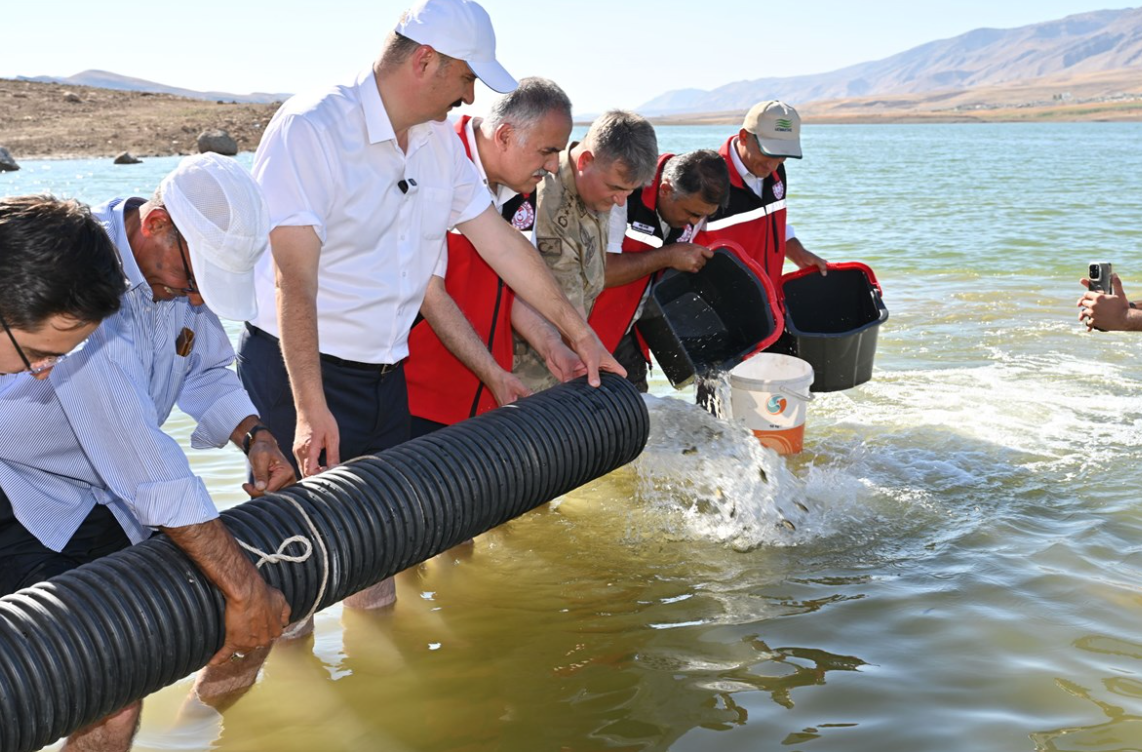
x,y
39,121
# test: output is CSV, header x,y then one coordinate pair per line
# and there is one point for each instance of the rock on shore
x,y
7,162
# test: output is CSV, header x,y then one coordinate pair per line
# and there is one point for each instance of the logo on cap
x,y
783,125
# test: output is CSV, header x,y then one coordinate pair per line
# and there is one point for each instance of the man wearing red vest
x,y
755,215
460,355
653,234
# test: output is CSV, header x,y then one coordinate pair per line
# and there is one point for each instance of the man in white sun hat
x,y
85,466
755,215
363,182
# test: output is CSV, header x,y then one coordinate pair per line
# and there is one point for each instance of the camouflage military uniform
x,y
572,239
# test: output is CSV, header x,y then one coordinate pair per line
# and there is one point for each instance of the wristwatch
x,y
248,439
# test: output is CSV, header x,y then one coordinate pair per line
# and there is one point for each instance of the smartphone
x,y
1099,275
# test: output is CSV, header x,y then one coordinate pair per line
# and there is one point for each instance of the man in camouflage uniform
x,y
617,156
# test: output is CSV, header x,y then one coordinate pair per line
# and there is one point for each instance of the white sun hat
x,y
219,209
459,29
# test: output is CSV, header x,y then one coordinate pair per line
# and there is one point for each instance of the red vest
x,y
756,223
615,308
440,387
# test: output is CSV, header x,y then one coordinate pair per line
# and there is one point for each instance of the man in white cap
x,y
363,182
755,216
85,467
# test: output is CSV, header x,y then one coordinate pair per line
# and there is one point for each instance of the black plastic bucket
x,y
832,321
712,319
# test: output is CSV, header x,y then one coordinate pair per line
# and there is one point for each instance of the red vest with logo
x,y
616,307
756,223
440,387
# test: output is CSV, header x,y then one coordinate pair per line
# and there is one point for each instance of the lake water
x,y
962,571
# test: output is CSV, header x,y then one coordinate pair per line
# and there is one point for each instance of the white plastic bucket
x,y
770,394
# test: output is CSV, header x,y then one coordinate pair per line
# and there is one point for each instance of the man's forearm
x,y
211,547
456,332
538,332
296,250
623,268
518,263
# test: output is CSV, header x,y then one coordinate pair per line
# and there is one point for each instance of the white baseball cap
x,y
219,209
459,29
777,127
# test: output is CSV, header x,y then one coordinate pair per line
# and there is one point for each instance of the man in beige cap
x,y
99,474
755,215
363,182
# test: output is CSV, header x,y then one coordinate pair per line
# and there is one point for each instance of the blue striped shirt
x,y
92,432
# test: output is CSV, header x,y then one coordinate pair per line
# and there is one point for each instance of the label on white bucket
x,y
770,392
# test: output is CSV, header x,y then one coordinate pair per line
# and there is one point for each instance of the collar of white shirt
x,y
753,181
118,233
502,194
377,121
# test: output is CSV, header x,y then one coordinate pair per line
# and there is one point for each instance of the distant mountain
x,y
1085,43
108,80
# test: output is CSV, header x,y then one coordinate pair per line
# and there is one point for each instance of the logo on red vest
x,y
779,190
687,234
524,217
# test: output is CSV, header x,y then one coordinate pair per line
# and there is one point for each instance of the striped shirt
x,y
91,433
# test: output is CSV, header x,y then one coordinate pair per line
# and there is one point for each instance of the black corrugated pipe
x,y
82,645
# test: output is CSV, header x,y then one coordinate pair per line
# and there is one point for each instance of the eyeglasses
x,y
43,364
191,287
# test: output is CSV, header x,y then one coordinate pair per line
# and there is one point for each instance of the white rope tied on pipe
x,y
278,556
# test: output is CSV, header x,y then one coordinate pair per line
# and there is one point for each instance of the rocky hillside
x,y
1076,45
108,80
48,120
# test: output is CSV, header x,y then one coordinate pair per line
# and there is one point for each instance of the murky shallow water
x,y
960,567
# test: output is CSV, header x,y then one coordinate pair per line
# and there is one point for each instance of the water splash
x,y
708,478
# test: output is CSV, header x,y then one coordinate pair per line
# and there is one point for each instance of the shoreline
x,y
58,122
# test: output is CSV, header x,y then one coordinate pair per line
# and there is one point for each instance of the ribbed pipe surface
x,y
82,645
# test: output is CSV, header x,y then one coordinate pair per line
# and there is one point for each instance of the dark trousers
x,y
424,426
24,561
629,356
371,408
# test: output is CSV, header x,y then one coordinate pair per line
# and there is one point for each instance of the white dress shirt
x,y
331,161
92,432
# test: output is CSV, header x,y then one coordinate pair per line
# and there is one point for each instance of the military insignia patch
x,y
779,190
548,246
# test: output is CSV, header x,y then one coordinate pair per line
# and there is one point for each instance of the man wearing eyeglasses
x,y
755,215
107,476
59,277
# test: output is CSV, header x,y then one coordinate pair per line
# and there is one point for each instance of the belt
x,y
381,368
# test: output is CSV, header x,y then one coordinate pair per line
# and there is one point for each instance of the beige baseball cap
x,y
777,127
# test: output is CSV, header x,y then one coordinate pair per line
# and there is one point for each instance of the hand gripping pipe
x,y
80,646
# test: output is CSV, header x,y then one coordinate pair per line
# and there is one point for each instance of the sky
x,y
604,53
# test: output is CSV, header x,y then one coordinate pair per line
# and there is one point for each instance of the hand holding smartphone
x,y
1098,276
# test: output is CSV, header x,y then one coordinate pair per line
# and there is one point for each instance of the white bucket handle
x,y
796,395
